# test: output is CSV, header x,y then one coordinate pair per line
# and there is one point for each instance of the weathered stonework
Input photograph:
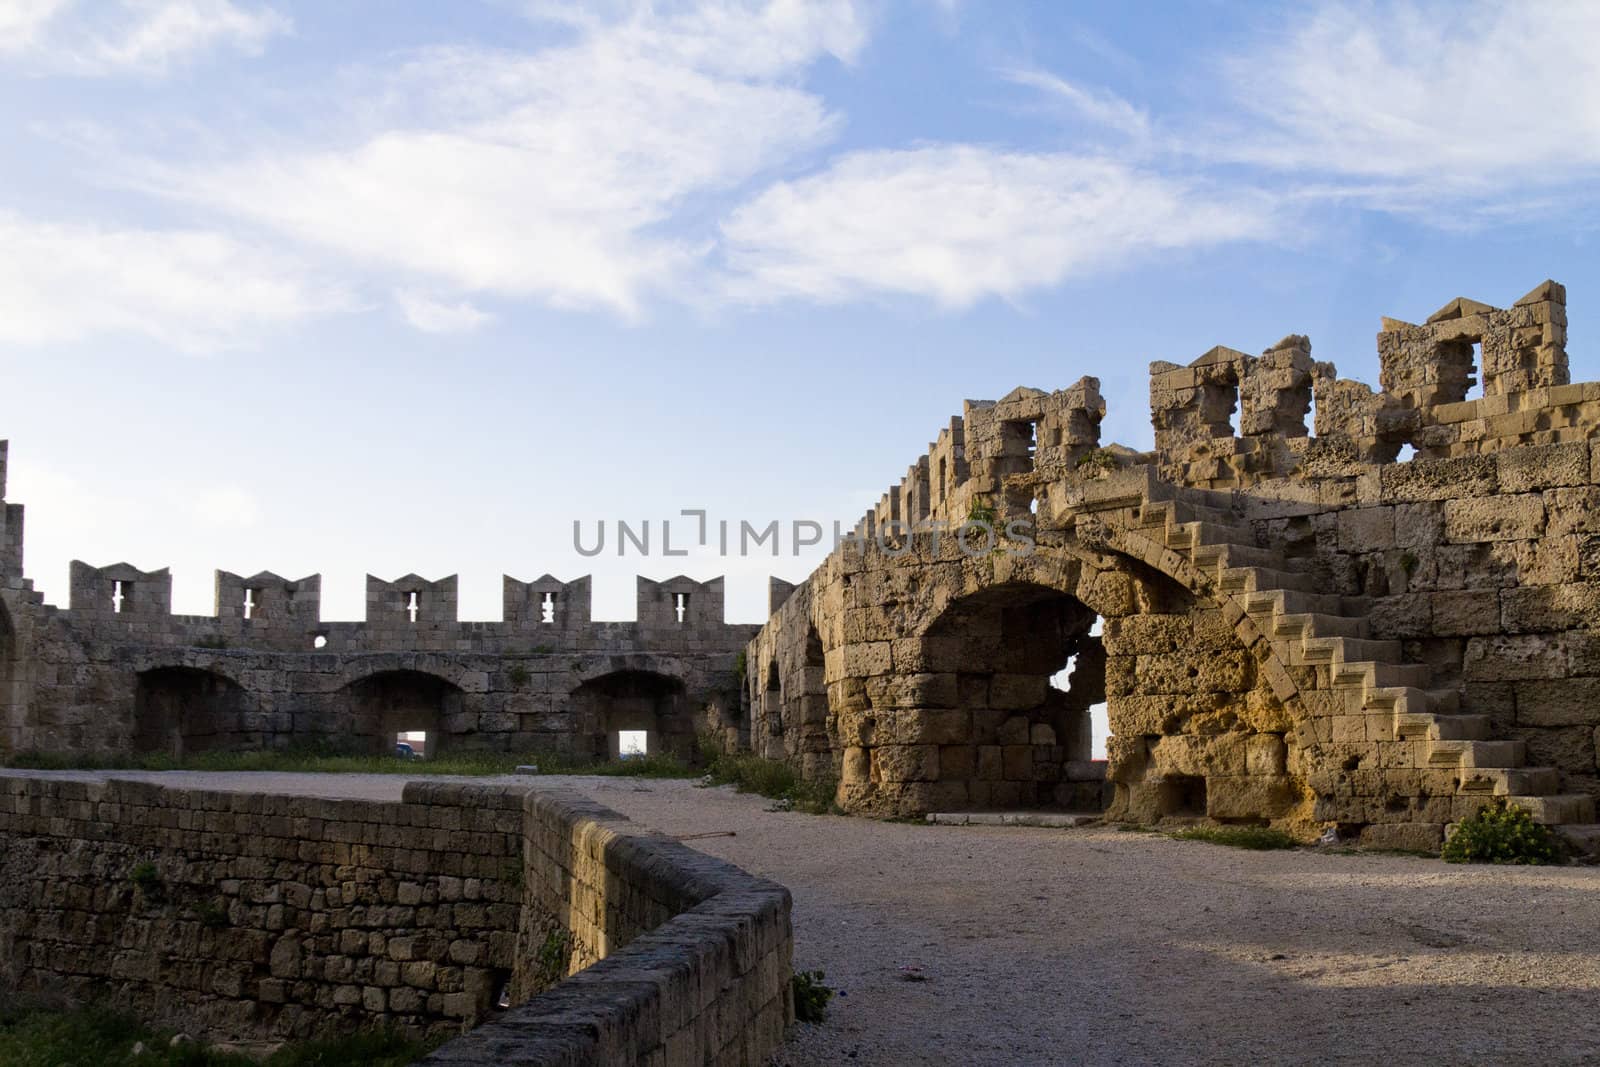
x,y
117,672
1295,629
252,916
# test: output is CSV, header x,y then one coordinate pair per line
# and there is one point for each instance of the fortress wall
x,y
251,916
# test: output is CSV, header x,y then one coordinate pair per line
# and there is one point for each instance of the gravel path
x,y
1104,947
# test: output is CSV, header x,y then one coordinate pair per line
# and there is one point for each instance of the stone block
x,y
1503,518
1542,467
1367,529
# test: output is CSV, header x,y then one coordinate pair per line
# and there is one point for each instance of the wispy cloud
x,y
1421,106
960,223
1098,106
433,315
190,289
105,37
549,175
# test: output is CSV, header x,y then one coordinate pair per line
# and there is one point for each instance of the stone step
x,y
1359,674
1223,557
1315,650
1192,535
1510,781
1427,725
1582,838
1316,624
1477,754
1263,579
1293,602
1558,808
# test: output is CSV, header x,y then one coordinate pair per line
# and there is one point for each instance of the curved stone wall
x,y
255,916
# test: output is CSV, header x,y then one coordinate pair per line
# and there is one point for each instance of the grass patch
x,y
36,1034
322,761
774,779
1256,838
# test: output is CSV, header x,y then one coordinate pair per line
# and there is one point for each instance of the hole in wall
x,y
252,597
411,744
1475,386
413,605
119,596
1407,453
632,744
319,641
680,607
547,608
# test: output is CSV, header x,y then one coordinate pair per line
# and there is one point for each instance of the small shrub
x,y
1409,564
1257,838
774,779
518,675
741,664
810,996
1098,461
147,880
212,916
1501,833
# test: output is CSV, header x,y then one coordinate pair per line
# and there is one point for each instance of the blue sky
x,y
390,287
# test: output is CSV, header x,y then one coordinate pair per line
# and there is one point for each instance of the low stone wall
x,y
254,915
686,959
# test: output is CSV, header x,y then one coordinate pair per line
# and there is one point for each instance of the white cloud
x,y
1101,107
96,38
1411,104
549,175
432,315
193,290
961,223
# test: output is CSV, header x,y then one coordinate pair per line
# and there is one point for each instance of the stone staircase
x,y
1425,726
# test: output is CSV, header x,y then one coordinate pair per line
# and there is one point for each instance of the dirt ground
x,y
1097,946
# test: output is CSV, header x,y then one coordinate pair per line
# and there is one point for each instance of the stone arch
x,y
1199,703
633,699
385,703
816,733
178,710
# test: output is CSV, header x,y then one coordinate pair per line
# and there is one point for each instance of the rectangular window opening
x,y
680,606
413,605
631,744
547,608
411,744
252,597
119,595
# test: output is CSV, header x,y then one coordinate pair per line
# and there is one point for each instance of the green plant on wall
x,y
1098,461
741,665
550,962
518,675
147,880
981,512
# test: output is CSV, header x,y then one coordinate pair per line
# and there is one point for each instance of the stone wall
x,y
259,915
1381,626
686,959
117,672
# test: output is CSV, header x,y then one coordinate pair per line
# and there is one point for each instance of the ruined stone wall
x,y
250,916
1380,626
